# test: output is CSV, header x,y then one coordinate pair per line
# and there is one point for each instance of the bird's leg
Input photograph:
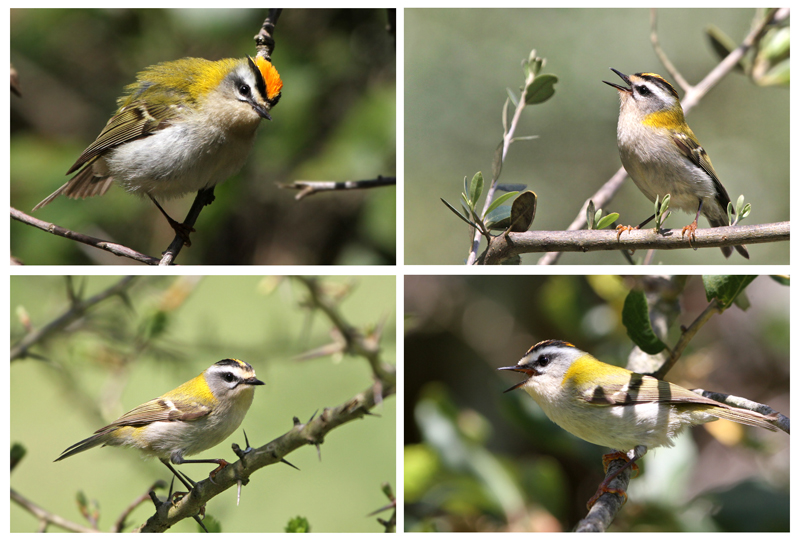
x,y
692,227
622,228
638,452
221,463
182,230
188,483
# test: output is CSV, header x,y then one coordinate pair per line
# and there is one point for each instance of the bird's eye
x,y
230,378
643,90
244,90
543,360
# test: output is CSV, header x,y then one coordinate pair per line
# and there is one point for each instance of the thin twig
x,y
507,140
712,308
114,248
76,310
662,56
367,346
310,187
119,524
47,517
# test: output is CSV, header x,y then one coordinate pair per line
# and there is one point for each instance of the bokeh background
x,y
477,459
120,355
459,62
336,121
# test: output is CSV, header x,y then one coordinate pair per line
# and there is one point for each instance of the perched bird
x,y
186,421
183,126
613,407
662,155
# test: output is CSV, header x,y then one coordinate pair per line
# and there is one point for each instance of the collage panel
x,y
229,136
283,400
556,133
516,386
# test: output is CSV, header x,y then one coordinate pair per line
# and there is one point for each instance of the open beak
x,y
624,78
527,371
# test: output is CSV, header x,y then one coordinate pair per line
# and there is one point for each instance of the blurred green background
x,y
118,357
477,459
459,62
336,121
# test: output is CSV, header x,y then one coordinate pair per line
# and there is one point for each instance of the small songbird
x,y
662,155
187,420
613,407
183,126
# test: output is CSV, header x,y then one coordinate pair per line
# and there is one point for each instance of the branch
x,y
367,346
204,197
603,512
46,517
116,249
692,97
77,310
311,433
265,43
310,187
710,310
503,247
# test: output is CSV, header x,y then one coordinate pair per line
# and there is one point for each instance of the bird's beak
x,y
262,112
253,381
527,371
624,78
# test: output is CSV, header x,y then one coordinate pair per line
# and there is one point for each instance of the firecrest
x,y
662,155
185,421
614,407
181,127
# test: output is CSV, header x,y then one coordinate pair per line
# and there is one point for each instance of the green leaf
x,y
451,207
541,89
18,452
498,219
466,188
590,215
476,188
511,187
636,318
497,162
523,211
298,525
607,220
512,97
782,279
499,201
725,288
211,524
779,74
722,44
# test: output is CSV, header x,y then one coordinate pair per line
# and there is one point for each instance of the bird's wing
x,y
698,156
160,409
645,389
641,389
135,120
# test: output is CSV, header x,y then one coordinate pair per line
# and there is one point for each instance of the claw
x,y
623,228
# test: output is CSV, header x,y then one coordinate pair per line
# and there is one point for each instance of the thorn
x,y
238,491
200,522
290,464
